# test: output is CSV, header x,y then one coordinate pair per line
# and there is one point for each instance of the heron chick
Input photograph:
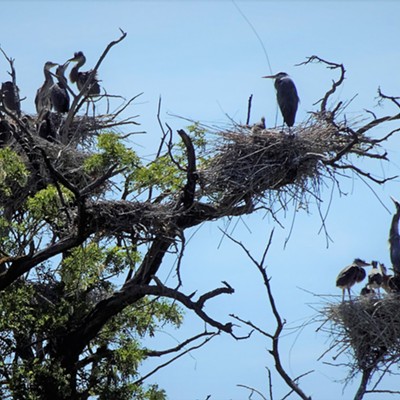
x,y
80,77
286,94
351,275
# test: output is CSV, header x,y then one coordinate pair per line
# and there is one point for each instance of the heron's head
x,y
360,263
374,264
279,75
78,56
49,65
383,269
61,68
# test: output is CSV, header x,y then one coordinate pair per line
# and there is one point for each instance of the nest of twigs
x,y
369,327
251,162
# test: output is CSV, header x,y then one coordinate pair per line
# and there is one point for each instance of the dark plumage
x,y
58,93
351,275
80,77
286,94
394,239
390,283
375,277
367,291
42,99
10,97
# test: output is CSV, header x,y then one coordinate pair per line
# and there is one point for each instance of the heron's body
x,y
394,239
42,99
59,94
390,283
80,77
375,277
367,291
351,275
10,97
286,94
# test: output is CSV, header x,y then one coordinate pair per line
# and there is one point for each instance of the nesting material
x,y
252,163
369,327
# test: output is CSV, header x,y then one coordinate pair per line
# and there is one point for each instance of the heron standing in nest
x,y
42,99
351,275
59,94
10,97
375,277
390,283
286,94
80,77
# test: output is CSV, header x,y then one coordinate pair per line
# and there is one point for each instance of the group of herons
x,y
378,276
53,95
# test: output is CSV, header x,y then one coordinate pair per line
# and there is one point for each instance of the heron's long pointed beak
x,y
269,76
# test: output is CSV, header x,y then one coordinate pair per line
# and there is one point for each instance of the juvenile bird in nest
x,y
390,283
351,275
42,99
80,77
375,277
58,93
367,291
286,94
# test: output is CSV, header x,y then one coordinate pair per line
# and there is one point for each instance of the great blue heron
x,y
287,97
351,275
80,77
367,291
390,283
42,99
375,277
10,97
394,239
58,93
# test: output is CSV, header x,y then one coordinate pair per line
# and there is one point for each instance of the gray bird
x,y
390,283
375,277
42,99
80,77
10,97
286,94
351,275
394,239
58,93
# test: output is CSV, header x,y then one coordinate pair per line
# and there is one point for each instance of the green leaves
x,y
12,171
112,152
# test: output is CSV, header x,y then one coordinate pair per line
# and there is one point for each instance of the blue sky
x,y
205,61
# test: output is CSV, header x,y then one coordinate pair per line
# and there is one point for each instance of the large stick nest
x,y
369,328
257,163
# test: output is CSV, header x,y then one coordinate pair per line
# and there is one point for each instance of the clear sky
x,y
205,61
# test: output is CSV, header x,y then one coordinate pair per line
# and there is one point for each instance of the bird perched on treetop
x,y
58,93
286,94
80,78
394,239
351,275
42,99
10,97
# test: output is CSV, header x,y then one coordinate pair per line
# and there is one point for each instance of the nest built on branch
x,y
368,329
262,164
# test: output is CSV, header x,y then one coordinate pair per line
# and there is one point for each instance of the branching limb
x,y
279,322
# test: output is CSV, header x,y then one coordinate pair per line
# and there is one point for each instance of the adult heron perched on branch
x,y
80,77
351,275
394,239
286,94
42,99
59,94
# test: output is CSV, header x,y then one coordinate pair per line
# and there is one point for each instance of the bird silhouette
x,y
80,77
58,93
42,99
286,94
351,275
